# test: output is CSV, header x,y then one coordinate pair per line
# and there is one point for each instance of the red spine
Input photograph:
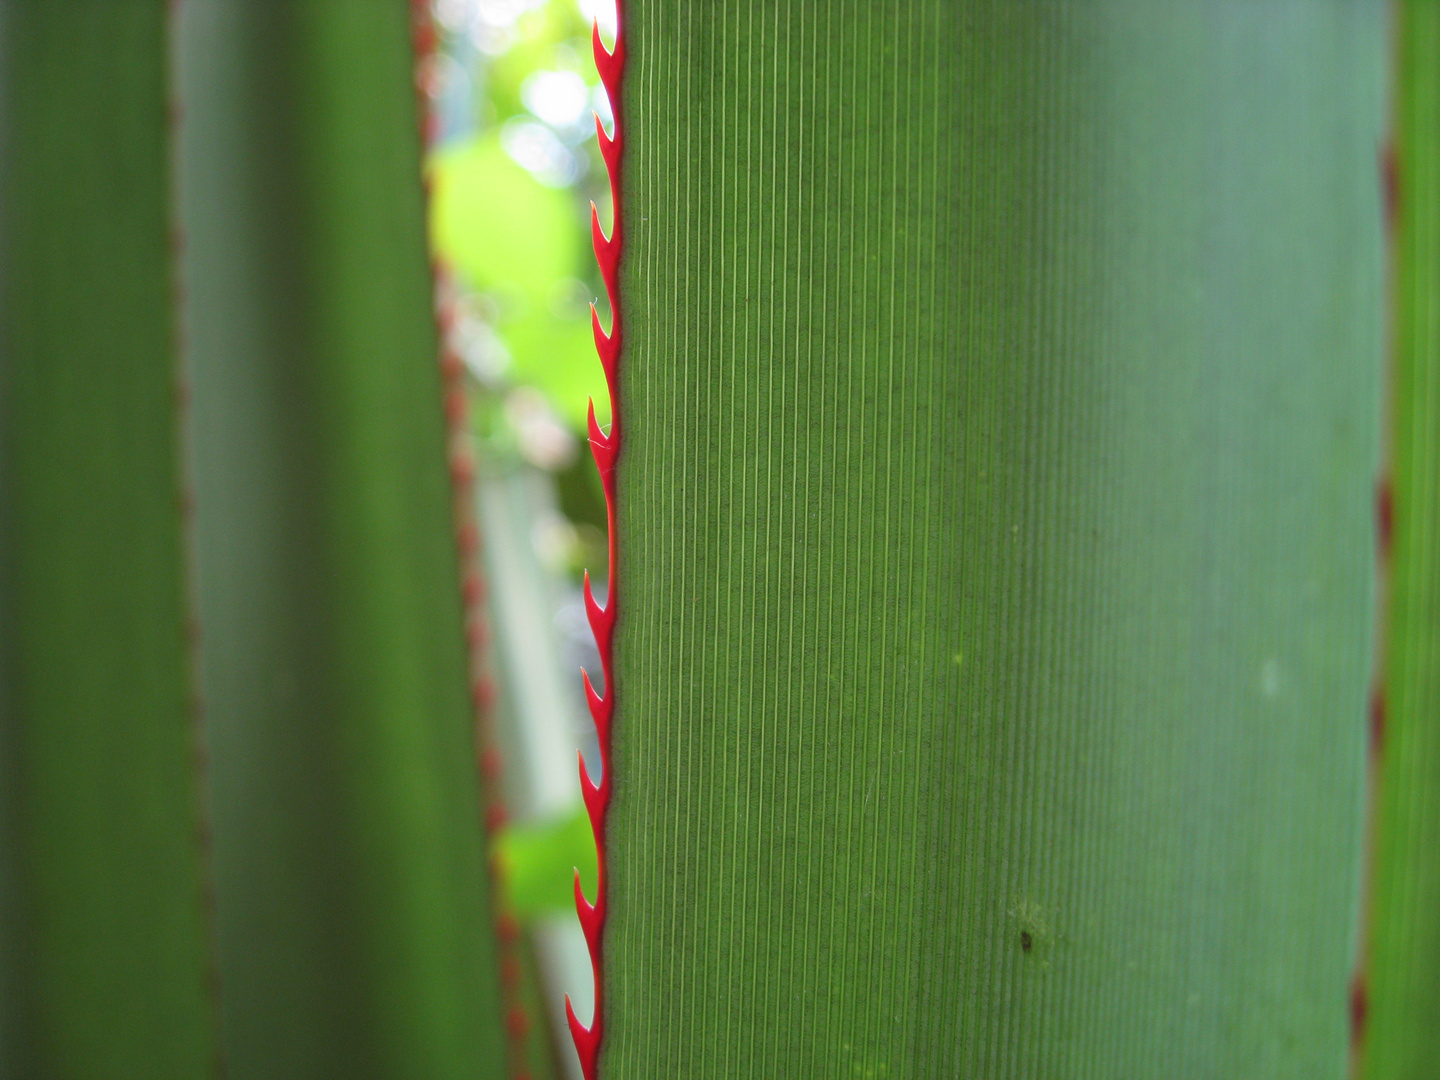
x,y
606,448
1391,177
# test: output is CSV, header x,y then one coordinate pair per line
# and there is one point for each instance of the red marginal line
x,y
606,448
193,640
1390,167
1390,184
1376,709
1385,518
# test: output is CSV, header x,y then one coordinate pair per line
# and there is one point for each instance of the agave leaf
x,y
355,927
1002,388
104,958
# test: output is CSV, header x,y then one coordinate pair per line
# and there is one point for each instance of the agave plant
x,y
274,180
1019,645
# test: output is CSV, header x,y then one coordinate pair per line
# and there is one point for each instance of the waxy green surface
x,y
103,945
996,574
354,919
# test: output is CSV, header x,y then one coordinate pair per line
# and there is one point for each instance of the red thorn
x,y
602,446
472,588
455,407
451,366
468,539
607,254
595,796
592,919
483,694
602,619
608,346
610,150
602,339
582,905
477,634
1390,182
1384,516
462,470
609,64
1359,1007
1377,720
609,144
587,1040
599,708
491,763
607,248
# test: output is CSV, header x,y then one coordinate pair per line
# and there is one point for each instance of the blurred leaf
x,y
356,930
103,946
510,235
539,863
552,36
520,243
1403,1031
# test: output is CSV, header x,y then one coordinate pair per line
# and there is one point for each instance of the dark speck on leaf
x,y
1026,941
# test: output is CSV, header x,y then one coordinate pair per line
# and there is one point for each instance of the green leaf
x,y
1403,1037
355,928
1048,336
503,229
539,863
517,240
103,951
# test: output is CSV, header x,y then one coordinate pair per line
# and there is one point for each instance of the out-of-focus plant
x,y
218,338
1399,996
511,195
105,970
